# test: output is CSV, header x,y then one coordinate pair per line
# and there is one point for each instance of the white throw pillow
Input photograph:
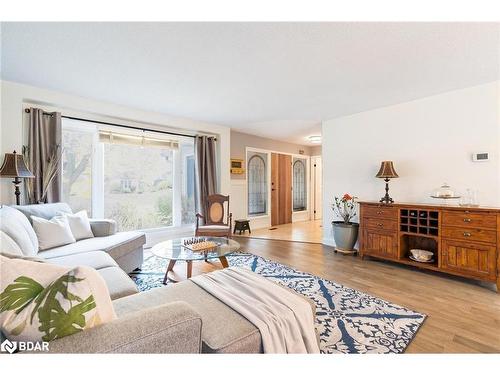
x,y
80,225
53,232
44,302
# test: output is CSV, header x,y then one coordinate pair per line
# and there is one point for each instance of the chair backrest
x,y
215,209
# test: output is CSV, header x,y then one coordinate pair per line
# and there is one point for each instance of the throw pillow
x,y
79,224
44,302
53,232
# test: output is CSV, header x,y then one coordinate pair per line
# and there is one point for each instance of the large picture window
x,y
299,185
138,186
257,183
141,182
77,160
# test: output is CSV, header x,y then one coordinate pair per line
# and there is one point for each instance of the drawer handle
x,y
467,220
380,224
467,234
379,212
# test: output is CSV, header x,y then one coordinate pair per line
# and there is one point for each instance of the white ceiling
x,y
277,80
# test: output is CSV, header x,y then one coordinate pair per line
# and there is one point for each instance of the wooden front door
x,y
281,189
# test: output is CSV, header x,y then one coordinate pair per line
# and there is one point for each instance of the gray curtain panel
x,y
44,142
206,171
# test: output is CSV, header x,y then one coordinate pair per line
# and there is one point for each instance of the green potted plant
x,y
345,232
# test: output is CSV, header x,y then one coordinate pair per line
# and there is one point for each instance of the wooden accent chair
x,y
214,222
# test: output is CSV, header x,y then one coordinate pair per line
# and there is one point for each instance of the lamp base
x,y
386,198
17,192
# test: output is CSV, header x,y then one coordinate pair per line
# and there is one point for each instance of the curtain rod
x,y
27,110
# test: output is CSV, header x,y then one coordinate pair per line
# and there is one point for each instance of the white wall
x,y
430,141
14,97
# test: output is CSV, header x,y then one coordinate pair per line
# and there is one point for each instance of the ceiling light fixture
x,y
314,138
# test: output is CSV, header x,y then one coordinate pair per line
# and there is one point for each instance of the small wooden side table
x,y
241,225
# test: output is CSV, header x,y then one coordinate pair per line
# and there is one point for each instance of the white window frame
x,y
97,183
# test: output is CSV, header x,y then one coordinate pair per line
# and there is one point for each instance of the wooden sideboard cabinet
x,y
465,241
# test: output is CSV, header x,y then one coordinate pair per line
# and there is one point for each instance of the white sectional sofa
x,y
112,254
180,318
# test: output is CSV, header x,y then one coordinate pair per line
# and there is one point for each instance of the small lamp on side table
x,y
14,167
386,172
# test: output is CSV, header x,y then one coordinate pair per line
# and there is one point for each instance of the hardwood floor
x,y
303,231
463,315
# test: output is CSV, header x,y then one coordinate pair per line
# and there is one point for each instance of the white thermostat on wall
x,y
480,156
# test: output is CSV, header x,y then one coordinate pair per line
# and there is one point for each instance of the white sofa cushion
x,y
119,283
116,245
53,232
8,245
45,210
57,301
79,224
94,259
15,225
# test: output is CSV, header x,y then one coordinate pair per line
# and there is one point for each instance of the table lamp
x,y
386,172
14,167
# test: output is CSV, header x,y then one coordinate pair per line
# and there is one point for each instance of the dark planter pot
x,y
345,236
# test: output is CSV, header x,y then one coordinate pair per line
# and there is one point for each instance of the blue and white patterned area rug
x,y
348,321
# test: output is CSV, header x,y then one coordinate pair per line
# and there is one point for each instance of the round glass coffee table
x,y
175,250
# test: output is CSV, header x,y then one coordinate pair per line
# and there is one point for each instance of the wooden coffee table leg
x,y
189,271
223,261
170,267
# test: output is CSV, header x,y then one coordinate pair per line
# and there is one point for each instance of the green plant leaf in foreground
x,y
19,294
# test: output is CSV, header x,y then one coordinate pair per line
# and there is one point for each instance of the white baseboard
x,y
328,241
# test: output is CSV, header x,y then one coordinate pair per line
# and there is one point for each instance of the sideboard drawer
x,y
381,224
390,213
470,219
470,234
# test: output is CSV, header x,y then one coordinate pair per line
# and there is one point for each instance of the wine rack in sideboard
x,y
464,241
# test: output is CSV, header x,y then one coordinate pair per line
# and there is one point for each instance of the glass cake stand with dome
x,y
446,193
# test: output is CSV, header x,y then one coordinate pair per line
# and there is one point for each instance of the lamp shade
x,y
386,170
14,166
